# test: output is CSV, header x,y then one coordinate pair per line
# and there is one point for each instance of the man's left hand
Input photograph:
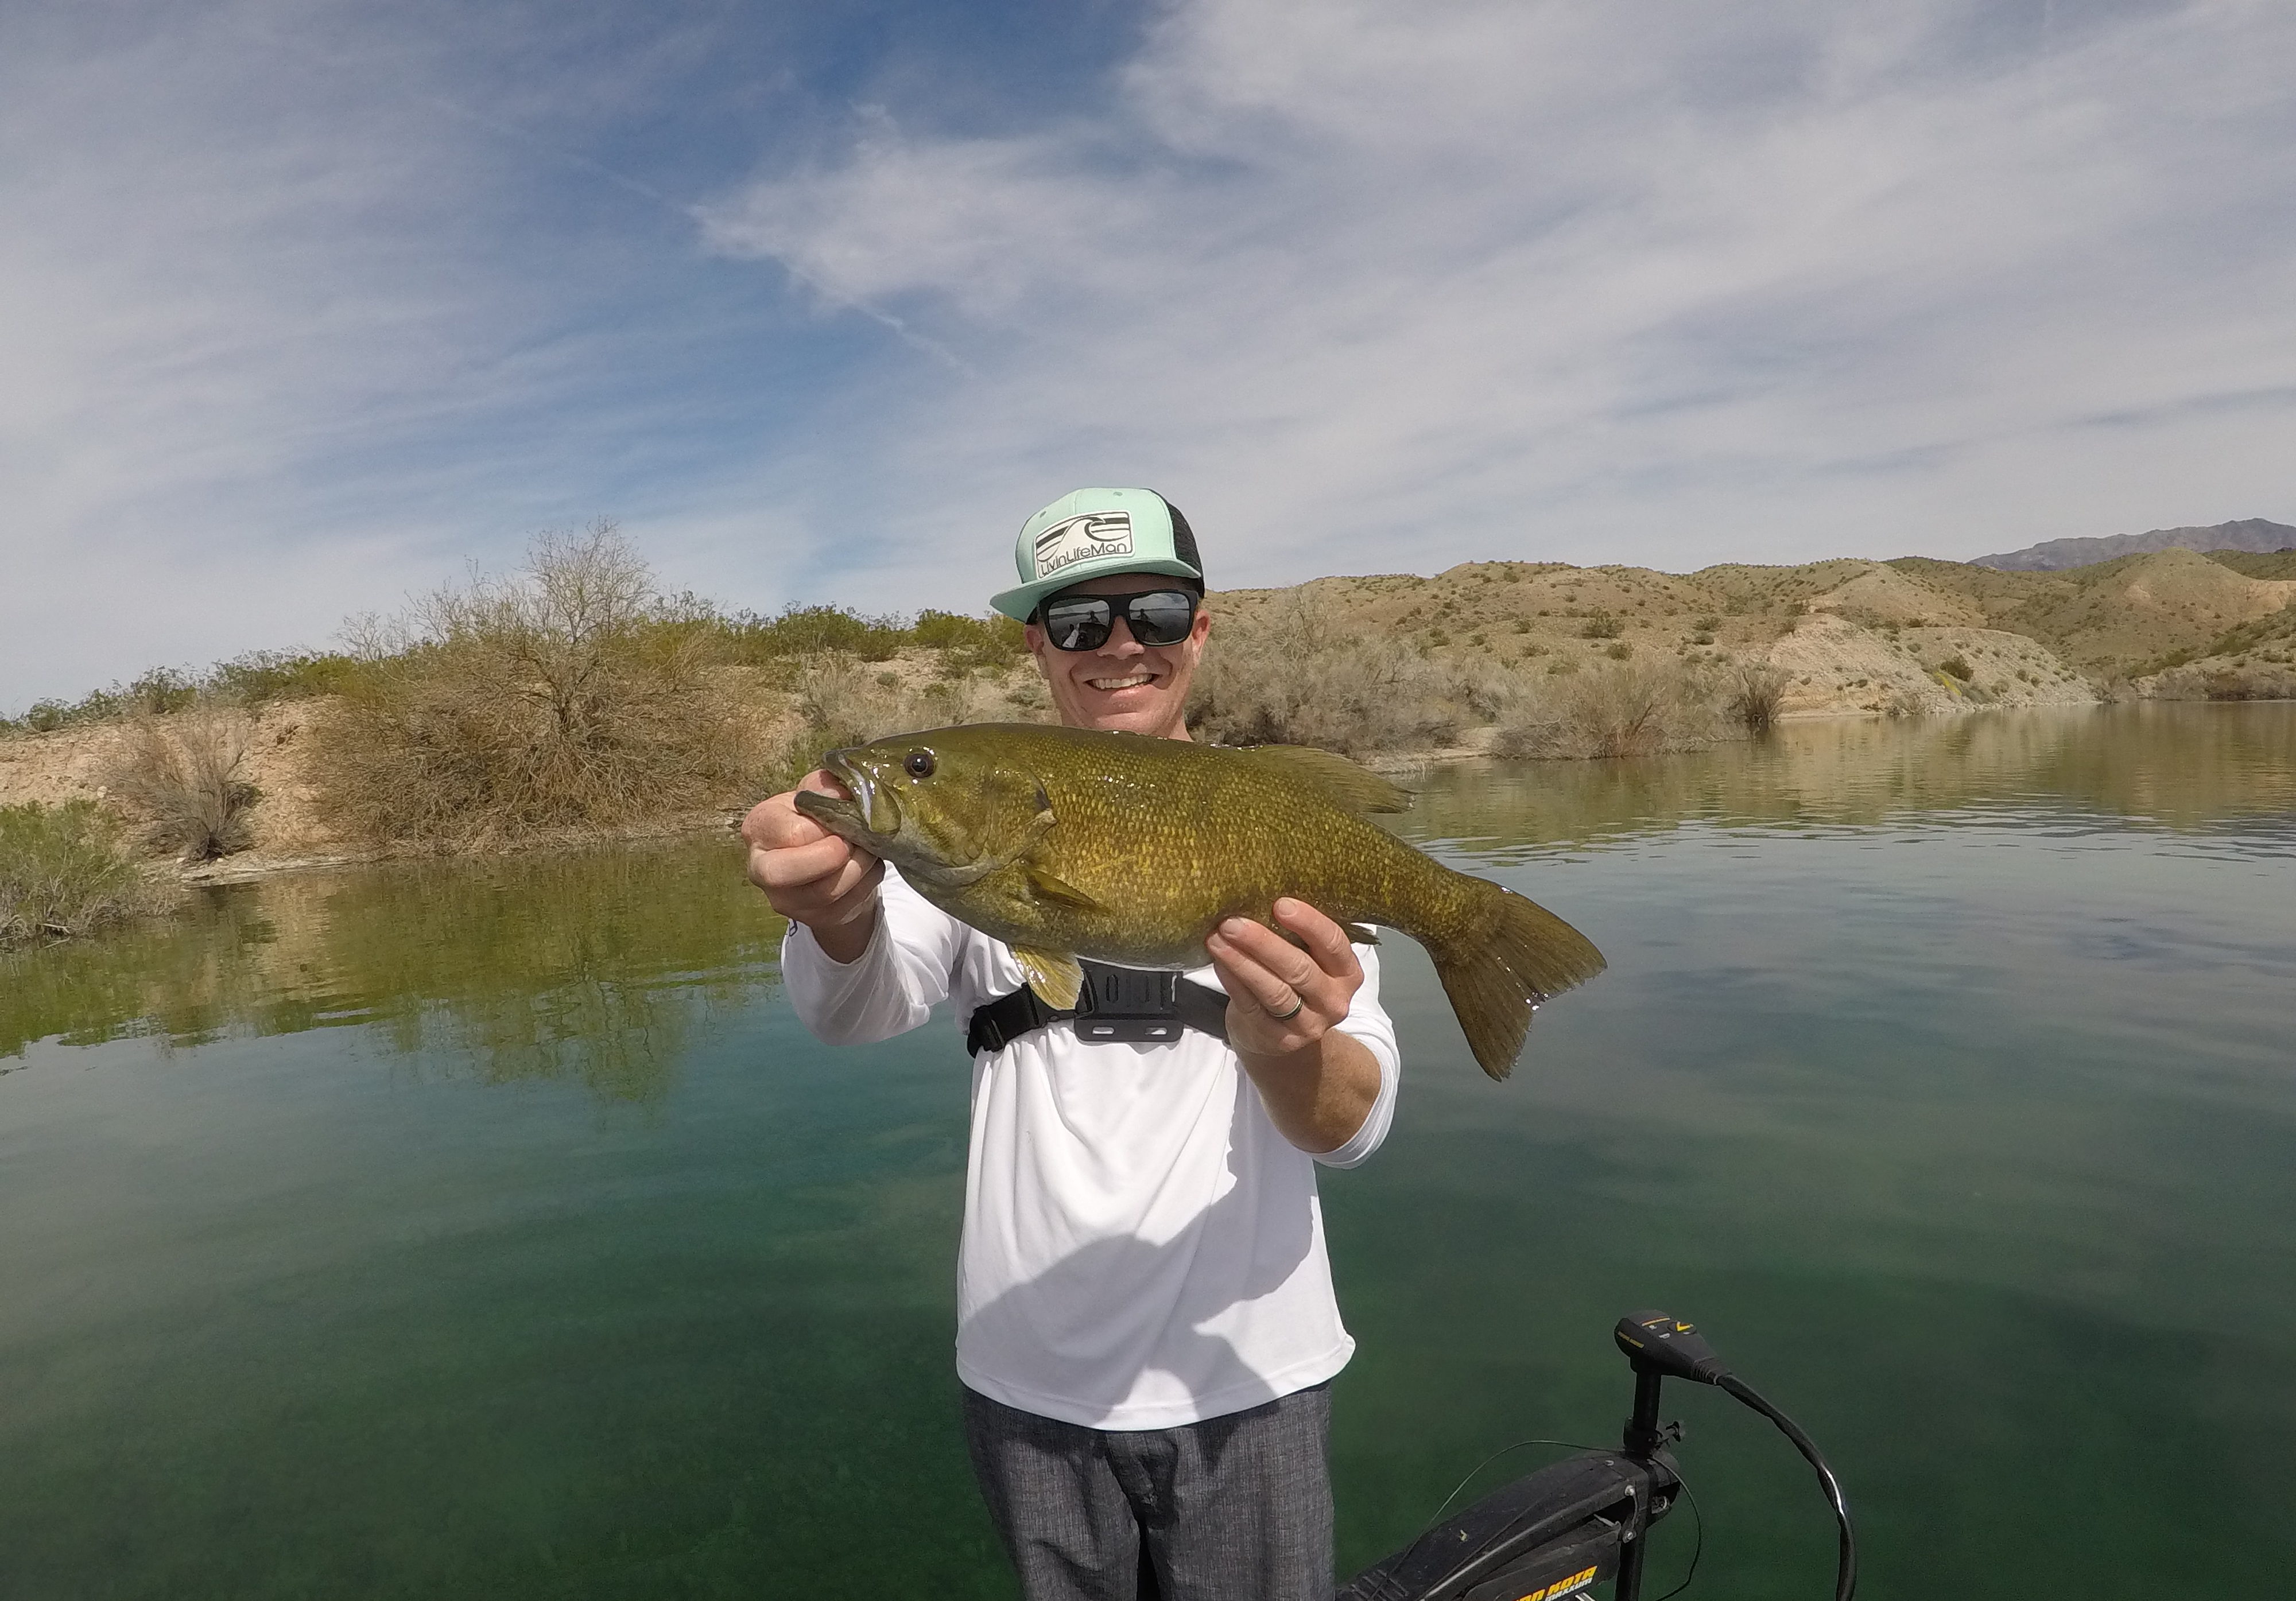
x,y
1281,997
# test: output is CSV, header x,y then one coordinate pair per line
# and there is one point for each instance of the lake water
x,y
494,1230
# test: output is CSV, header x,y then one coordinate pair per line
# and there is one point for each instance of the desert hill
x,y
1480,642
1910,635
2249,534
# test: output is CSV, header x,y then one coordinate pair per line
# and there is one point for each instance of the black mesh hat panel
x,y
1183,540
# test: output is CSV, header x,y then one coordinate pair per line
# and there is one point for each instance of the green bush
x,y
811,630
63,873
982,642
262,676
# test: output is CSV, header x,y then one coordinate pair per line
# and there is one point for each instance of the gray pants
x,y
1235,1508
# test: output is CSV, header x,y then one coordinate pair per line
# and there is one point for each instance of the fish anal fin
x,y
1053,974
1332,776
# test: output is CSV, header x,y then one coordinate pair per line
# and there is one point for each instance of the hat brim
x,y
1021,604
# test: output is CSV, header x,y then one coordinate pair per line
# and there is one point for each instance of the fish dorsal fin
x,y
1053,974
1333,777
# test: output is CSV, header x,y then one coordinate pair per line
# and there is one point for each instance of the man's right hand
x,y
810,875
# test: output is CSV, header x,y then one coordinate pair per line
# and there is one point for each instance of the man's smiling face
x,y
1124,684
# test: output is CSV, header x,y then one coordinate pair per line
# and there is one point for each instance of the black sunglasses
x,y
1156,617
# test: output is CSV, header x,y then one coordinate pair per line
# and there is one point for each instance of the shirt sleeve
x,y
1367,1021
891,987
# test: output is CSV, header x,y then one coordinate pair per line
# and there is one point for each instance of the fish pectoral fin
x,y
1333,777
1053,974
974,872
1045,884
1361,933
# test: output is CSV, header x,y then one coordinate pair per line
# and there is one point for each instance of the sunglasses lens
x,y
1162,618
1078,625
1083,622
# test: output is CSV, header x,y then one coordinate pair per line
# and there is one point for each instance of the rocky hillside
x,y
1908,637
2252,535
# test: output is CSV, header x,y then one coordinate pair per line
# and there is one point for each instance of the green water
x,y
494,1230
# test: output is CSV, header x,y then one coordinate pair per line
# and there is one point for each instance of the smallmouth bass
x,y
1130,849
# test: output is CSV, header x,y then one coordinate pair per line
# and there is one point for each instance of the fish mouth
x,y
870,813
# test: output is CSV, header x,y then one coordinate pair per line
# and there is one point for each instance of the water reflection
x,y
2180,767
595,966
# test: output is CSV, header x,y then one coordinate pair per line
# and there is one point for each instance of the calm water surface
x,y
493,1230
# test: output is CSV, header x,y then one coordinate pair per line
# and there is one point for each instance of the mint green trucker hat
x,y
1088,533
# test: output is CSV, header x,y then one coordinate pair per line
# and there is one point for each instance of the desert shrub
x,y
1294,675
262,676
565,697
1958,667
839,702
1633,709
995,640
842,703
158,691
1601,625
1751,694
179,776
811,631
63,873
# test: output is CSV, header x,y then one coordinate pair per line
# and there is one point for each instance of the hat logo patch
x,y
1081,538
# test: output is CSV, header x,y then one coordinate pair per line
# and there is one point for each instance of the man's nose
x,y
1120,641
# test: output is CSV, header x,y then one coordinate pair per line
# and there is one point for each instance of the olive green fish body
x,y
1129,849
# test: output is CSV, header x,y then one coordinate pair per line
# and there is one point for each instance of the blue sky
x,y
304,306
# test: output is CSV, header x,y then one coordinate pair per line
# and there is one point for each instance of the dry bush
x,y
1752,693
843,702
1633,709
63,874
566,697
1299,676
179,776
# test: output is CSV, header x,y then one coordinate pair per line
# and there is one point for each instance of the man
x,y
1146,1325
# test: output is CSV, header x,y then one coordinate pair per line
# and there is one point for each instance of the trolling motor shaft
x,y
1560,1532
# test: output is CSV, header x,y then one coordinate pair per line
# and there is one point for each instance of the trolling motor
x,y
1562,1530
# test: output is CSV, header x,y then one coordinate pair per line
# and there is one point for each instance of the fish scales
x,y
1127,849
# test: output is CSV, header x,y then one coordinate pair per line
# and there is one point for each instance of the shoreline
x,y
251,865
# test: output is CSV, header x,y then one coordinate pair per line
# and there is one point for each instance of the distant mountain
x,y
2055,555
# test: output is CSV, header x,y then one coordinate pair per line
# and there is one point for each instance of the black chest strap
x,y
1118,1005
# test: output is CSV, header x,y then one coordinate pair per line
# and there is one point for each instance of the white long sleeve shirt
x,y
1141,1247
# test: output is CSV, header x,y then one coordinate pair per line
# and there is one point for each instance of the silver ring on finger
x,y
1297,1002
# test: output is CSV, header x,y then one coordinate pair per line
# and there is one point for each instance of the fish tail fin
x,y
1517,954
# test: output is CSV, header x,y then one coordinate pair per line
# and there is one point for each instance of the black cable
x,y
1487,1461
1436,1522
1698,1521
1845,1575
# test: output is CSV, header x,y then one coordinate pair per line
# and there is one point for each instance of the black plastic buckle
x,y
1127,1006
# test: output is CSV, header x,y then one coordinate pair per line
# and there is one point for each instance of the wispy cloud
x,y
296,312
302,303
1380,286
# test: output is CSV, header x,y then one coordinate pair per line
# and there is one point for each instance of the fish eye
x,y
918,764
